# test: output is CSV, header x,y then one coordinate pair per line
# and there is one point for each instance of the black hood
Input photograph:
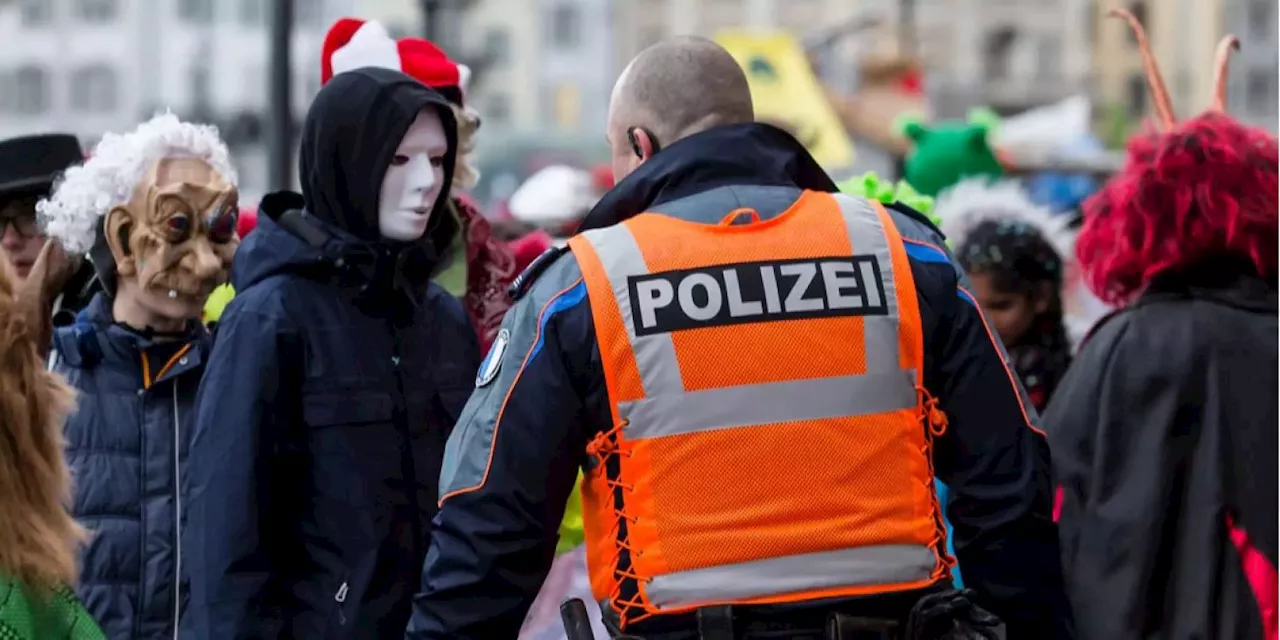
x,y
736,154
351,133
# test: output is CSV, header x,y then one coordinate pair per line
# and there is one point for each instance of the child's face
x,y
1011,314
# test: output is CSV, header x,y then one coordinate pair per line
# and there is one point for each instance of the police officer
x,y
760,378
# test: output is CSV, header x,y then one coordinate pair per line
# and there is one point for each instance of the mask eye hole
x,y
222,226
399,160
178,227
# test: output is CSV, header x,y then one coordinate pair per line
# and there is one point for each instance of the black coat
x,y
336,375
1163,437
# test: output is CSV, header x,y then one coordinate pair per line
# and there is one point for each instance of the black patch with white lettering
x,y
757,292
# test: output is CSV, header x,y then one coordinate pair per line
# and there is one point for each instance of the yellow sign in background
x,y
786,91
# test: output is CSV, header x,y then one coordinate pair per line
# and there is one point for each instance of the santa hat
x,y
352,43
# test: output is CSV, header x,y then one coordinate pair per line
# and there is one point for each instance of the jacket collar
x,y
95,337
739,154
1229,281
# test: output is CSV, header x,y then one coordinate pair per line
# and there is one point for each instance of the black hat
x,y
32,163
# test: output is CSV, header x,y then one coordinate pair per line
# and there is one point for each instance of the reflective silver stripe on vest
x,y
655,354
667,409
857,567
867,237
752,404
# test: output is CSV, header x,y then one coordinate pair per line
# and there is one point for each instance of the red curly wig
x,y
1189,192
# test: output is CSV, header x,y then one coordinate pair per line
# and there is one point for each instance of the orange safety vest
x,y
771,438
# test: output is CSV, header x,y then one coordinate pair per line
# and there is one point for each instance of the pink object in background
x,y
248,222
568,579
528,247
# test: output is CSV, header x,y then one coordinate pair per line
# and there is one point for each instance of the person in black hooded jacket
x,y
336,376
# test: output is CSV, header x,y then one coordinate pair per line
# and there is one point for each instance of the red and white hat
x,y
352,43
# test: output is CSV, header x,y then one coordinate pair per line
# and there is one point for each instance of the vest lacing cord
x,y
603,447
934,421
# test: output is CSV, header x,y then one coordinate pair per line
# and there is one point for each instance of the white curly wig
x,y
971,202
86,192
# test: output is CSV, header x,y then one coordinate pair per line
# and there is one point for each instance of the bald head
x,y
679,87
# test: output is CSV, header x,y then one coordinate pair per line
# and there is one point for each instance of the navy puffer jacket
x,y
127,448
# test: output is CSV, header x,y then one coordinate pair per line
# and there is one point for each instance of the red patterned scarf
x,y
490,270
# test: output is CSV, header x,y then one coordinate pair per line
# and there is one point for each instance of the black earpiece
x,y
635,142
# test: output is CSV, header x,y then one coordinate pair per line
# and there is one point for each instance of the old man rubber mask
x,y
175,238
413,179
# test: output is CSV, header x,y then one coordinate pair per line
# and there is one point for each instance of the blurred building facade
x,y
1010,54
545,62
91,66
401,17
1006,54
1253,91
1184,35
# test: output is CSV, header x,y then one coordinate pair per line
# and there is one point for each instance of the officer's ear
x,y
643,144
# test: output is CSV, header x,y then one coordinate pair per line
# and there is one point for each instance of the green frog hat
x,y
945,153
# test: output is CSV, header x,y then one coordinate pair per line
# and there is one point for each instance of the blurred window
x,y
96,10
1049,58
1091,23
498,109
7,98
996,53
32,85
1137,90
497,44
1262,19
1139,11
1260,91
308,13
251,12
199,84
255,82
36,13
565,26
94,90
196,11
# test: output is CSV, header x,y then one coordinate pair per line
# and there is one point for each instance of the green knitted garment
x,y
59,617
870,186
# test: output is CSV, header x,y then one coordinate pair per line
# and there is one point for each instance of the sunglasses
x,y
24,226
19,213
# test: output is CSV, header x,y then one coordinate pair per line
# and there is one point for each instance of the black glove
x,y
952,615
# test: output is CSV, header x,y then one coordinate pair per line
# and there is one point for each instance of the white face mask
x,y
413,180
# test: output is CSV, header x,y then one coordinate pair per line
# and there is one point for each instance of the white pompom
x,y
370,46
